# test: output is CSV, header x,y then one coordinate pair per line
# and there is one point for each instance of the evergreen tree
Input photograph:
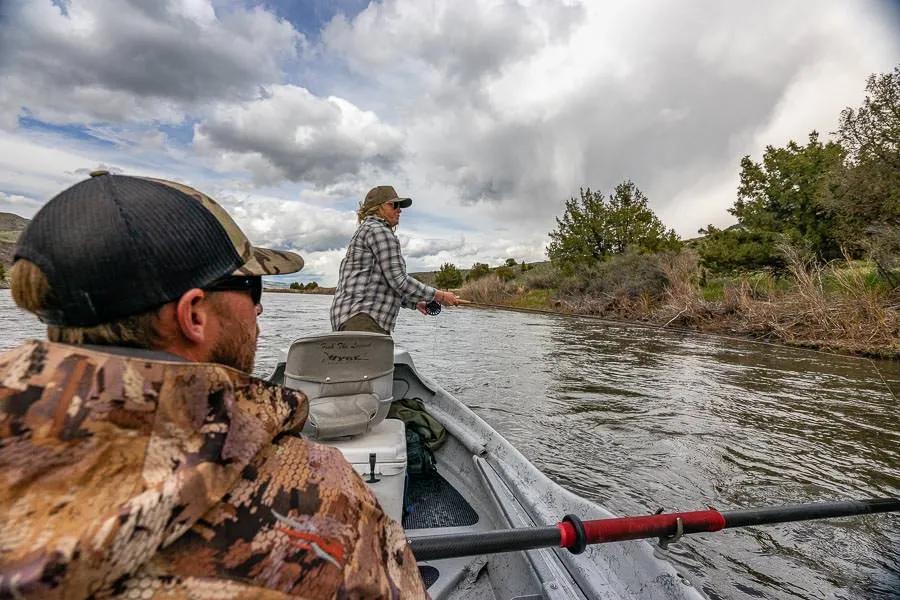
x,y
448,277
867,201
593,228
785,195
737,249
477,271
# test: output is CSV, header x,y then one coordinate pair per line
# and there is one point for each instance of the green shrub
x,y
478,271
505,273
630,275
545,279
714,290
448,277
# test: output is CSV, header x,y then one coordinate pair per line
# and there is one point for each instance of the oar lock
x,y
665,540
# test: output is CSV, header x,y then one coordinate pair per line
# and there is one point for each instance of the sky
x,y
490,114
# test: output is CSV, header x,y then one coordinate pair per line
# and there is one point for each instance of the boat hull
x,y
507,491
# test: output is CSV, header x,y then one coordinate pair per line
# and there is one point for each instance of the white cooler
x,y
387,441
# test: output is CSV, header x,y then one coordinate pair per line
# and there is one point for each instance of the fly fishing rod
x,y
575,535
433,308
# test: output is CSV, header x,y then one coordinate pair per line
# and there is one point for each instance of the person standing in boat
x,y
137,455
373,284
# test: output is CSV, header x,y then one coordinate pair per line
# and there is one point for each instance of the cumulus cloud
x,y
289,133
287,224
424,247
19,205
464,42
591,94
39,168
128,60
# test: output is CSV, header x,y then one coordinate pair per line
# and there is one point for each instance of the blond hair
x,y
372,210
31,290
361,213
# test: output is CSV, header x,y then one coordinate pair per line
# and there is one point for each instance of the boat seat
x,y
348,377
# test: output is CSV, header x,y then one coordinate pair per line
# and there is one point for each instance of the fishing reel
x,y
433,308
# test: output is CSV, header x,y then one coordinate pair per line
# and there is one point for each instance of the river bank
x,y
837,308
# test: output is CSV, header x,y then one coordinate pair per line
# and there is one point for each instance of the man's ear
x,y
192,313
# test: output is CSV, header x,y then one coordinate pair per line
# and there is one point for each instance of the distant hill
x,y
10,227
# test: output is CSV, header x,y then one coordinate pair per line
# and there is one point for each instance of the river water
x,y
638,418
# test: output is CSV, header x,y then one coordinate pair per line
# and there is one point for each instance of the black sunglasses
x,y
396,205
238,283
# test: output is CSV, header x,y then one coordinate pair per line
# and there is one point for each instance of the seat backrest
x,y
348,377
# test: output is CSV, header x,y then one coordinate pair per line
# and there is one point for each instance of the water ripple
x,y
639,418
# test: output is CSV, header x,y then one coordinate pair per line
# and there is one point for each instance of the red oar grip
x,y
632,528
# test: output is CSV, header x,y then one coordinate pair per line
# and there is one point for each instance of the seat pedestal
x,y
387,441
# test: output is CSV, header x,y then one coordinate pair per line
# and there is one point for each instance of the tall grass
x,y
835,305
489,289
838,306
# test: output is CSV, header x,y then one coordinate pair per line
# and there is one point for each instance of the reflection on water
x,y
638,419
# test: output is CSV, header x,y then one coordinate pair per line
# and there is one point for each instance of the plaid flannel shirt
x,y
373,278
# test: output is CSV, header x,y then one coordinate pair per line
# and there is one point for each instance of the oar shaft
x,y
574,534
805,512
488,542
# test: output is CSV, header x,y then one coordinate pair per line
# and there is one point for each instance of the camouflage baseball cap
x,y
380,194
113,246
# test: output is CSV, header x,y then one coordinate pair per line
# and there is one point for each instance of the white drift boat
x,y
482,483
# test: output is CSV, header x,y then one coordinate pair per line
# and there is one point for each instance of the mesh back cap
x,y
114,245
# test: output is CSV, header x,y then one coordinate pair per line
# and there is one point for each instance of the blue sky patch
x,y
309,16
74,132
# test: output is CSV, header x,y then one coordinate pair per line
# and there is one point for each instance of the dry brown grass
x,y
489,289
848,315
683,303
829,306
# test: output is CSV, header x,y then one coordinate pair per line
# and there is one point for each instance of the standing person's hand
x,y
446,298
422,307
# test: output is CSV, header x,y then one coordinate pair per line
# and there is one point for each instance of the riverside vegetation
x,y
813,260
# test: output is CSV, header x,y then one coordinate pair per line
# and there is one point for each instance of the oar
x,y
575,534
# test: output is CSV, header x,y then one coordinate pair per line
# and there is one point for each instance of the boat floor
x,y
433,506
430,505
430,501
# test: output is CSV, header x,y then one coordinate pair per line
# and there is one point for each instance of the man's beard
x,y
237,348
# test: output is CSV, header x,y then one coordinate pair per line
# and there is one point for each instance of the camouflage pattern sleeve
x,y
302,522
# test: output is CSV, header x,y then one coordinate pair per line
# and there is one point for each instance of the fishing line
x,y
883,380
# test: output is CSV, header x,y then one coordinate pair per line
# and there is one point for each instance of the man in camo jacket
x,y
138,459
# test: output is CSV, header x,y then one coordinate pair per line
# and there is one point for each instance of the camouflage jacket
x,y
135,478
